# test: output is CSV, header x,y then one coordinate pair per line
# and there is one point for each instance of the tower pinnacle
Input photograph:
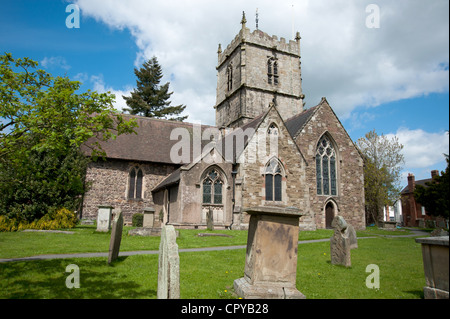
x,y
244,20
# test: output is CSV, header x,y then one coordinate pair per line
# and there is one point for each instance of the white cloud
x,y
341,58
55,62
423,151
100,86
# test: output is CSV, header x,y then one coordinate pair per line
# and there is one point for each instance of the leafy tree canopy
x,y
382,168
43,123
435,194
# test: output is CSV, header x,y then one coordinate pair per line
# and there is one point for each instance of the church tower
x,y
254,70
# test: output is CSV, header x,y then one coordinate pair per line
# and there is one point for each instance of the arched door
x,y
329,214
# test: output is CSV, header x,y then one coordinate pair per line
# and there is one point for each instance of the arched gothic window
x,y
273,180
326,167
135,183
212,188
269,71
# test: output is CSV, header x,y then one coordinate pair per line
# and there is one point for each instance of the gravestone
x,y
209,219
149,217
435,258
104,218
340,243
352,237
271,257
116,236
168,265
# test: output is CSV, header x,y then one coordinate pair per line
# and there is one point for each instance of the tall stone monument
x,y
271,258
169,265
340,243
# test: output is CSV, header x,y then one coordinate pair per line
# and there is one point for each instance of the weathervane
x,y
257,19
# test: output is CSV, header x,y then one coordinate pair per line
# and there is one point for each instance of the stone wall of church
x,y
350,196
108,186
251,173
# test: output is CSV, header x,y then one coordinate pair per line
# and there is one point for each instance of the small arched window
x,y
326,167
273,130
273,181
272,71
230,77
212,188
135,183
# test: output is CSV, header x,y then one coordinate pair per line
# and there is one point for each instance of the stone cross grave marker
x,y
169,265
340,243
116,236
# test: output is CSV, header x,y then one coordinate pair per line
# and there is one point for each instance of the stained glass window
x,y
326,175
273,181
212,188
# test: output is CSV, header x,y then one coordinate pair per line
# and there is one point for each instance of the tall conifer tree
x,y
151,99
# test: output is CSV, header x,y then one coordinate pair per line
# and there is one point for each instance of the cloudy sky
x,y
389,73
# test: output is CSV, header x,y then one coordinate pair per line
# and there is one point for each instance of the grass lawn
x,y
202,274
86,240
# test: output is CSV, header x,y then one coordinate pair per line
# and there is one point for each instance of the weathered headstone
x,y
271,257
169,265
116,236
149,217
352,237
209,219
104,218
435,258
340,243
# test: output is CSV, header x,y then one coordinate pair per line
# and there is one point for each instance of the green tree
x,y
151,99
43,123
435,194
382,168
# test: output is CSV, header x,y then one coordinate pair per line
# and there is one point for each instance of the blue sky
x,y
393,79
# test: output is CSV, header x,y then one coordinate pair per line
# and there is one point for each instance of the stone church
x,y
265,150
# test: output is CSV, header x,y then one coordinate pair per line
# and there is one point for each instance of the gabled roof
x,y
296,123
151,143
421,182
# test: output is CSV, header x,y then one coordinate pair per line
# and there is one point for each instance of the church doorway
x,y
329,214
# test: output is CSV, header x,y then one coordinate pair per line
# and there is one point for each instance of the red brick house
x,y
414,214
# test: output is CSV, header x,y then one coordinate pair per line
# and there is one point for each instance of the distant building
x,y
414,214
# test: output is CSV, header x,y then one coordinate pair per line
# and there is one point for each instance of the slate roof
x,y
151,143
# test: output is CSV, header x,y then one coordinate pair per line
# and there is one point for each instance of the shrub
x,y
62,218
138,220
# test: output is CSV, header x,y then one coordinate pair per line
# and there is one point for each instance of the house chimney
x,y
434,173
411,182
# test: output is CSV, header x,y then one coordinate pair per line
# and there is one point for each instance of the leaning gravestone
x,y
340,243
169,265
116,236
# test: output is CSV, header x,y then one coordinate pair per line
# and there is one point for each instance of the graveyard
x,y
208,265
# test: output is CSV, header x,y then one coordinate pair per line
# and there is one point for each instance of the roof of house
x,y
421,182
